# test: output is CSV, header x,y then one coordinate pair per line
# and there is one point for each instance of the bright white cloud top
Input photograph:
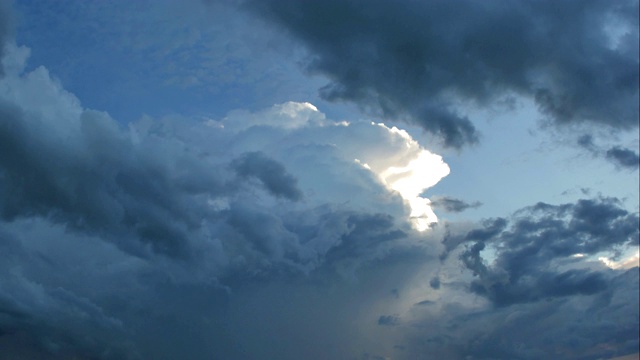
x,y
417,171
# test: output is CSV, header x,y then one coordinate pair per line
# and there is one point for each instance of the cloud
x,y
120,235
450,204
183,189
6,29
388,320
78,168
39,318
527,280
271,174
415,61
624,157
435,283
536,238
152,240
619,156
590,327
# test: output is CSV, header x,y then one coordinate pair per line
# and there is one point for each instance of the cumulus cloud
x,y
169,186
77,167
414,61
111,226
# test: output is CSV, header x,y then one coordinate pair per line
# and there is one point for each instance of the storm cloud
x,y
279,232
109,219
528,273
538,236
414,61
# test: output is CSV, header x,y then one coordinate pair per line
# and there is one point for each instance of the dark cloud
x,y
271,174
538,236
6,29
624,157
542,302
86,205
94,179
491,227
139,242
424,303
435,283
41,321
412,60
586,141
388,320
579,327
367,232
621,157
450,204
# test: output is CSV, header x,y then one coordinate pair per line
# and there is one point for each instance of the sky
x,y
337,179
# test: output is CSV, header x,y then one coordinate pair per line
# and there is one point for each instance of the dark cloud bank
x,y
538,236
146,243
413,60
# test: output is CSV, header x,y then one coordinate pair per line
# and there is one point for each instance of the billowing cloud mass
x,y
177,201
539,236
415,61
285,233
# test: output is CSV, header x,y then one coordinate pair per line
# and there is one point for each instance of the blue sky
x,y
339,179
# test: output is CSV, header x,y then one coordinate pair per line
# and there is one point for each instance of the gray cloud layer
x,y
413,60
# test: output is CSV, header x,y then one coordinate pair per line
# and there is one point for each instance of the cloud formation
x,y
540,291
414,61
624,157
282,234
621,157
537,237
110,226
450,204
6,22
271,174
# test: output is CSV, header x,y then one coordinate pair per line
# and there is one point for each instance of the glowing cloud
x,y
410,175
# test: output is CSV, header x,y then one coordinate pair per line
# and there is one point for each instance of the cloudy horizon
x,y
287,179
